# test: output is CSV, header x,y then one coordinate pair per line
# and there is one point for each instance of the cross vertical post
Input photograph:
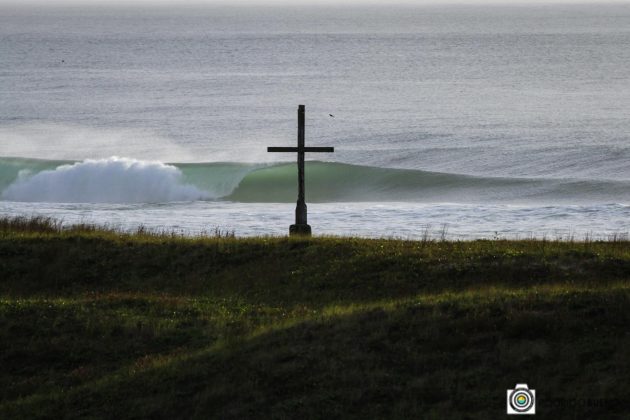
x,y
301,226
300,209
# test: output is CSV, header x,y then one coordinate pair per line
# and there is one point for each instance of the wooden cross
x,y
301,226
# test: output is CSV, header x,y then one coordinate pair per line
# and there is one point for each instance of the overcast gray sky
x,y
304,2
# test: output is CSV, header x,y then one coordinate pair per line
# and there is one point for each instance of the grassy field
x,y
95,323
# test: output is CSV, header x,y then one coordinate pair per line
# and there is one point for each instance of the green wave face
x,y
42,180
338,182
341,182
11,167
218,179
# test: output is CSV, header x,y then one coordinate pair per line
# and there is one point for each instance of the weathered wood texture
x,y
301,226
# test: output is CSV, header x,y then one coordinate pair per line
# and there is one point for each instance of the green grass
x,y
100,324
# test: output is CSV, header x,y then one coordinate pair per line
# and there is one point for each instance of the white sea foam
x,y
112,180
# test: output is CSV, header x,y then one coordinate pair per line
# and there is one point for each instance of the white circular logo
x,y
521,400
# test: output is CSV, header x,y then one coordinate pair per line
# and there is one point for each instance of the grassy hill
x,y
95,323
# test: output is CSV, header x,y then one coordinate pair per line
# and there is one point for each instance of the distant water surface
x,y
514,118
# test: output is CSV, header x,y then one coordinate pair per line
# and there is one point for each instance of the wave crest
x,y
112,180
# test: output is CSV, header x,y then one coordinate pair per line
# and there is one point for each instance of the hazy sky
x,y
301,2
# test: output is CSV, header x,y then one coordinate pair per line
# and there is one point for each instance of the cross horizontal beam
x,y
301,149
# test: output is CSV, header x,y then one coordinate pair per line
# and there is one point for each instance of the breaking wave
x,y
122,180
113,180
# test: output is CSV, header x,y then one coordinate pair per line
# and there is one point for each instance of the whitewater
x,y
465,122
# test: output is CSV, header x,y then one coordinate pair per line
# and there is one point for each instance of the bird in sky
x,y
331,115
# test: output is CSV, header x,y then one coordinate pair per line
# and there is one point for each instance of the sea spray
x,y
77,142
112,180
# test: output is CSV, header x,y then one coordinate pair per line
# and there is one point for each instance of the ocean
x,y
449,121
